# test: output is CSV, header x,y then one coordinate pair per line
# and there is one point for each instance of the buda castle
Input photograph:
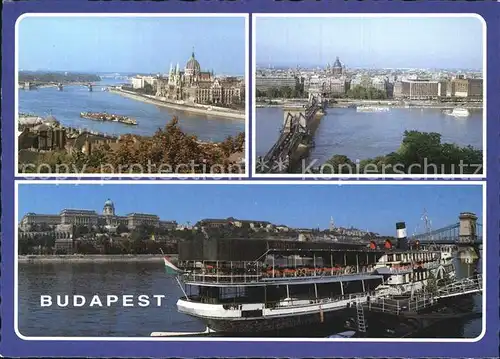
x,y
64,222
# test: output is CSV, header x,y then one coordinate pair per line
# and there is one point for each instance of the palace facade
x,y
68,218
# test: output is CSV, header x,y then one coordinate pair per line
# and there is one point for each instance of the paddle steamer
x,y
261,286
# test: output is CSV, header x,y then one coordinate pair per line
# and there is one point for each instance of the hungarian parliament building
x,y
192,85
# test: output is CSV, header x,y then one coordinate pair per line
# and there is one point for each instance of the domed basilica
x,y
201,87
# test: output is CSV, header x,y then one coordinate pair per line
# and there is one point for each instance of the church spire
x,y
192,54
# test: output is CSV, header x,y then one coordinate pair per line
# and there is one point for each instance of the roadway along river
x,y
66,106
146,278
344,131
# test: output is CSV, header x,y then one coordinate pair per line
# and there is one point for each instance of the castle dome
x,y
109,208
193,64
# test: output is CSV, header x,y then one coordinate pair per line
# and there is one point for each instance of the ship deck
x,y
262,282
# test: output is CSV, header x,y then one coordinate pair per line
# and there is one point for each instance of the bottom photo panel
x,y
208,261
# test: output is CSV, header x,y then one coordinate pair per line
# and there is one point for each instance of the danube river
x,y
67,105
136,279
363,135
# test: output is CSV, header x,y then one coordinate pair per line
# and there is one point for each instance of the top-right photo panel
x,y
369,95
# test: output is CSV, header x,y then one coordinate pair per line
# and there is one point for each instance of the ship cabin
x,y
274,273
408,265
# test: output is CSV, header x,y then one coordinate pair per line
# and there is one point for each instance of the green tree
x,y
121,228
366,93
420,152
340,164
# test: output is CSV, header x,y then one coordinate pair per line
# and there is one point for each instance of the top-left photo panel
x,y
132,95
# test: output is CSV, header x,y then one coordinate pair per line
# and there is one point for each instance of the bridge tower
x,y
467,230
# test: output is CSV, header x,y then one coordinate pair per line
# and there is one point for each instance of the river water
x,y
362,135
67,105
146,278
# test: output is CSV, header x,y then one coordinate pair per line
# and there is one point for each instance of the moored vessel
x,y
372,109
458,112
257,286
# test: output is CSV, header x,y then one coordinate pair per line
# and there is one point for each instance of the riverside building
x,y
90,218
195,86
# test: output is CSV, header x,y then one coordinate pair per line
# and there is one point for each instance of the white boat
x,y
458,112
346,334
372,109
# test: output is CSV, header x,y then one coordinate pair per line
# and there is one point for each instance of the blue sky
x,y
371,42
373,207
131,44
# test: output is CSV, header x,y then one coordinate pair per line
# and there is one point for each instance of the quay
x,y
296,138
391,103
92,258
195,109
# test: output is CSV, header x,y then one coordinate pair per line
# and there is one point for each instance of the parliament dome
x,y
193,64
337,64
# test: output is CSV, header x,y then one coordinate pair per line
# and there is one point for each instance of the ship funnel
x,y
401,235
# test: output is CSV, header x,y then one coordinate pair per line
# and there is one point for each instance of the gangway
x,y
425,300
360,316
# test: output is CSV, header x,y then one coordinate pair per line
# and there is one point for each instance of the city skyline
x,y
143,44
370,42
368,207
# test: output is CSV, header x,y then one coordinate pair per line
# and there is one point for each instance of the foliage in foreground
x,y
419,153
169,150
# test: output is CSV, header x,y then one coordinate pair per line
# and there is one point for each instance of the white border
x,y
255,17
127,175
229,339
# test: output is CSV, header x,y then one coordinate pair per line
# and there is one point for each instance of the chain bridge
x,y
467,232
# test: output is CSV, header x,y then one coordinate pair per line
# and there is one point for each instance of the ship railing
x,y
424,299
305,302
221,278
469,284
411,267
276,274
399,306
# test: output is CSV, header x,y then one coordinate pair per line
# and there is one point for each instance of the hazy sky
x,y
373,207
371,42
131,44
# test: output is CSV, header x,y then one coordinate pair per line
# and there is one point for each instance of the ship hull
x,y
278,325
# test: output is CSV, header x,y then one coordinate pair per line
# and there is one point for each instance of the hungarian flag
x,y
170,268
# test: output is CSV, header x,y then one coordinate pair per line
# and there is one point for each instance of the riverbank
x,y
203,110
94,258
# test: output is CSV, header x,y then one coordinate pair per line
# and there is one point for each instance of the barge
x,y
103,116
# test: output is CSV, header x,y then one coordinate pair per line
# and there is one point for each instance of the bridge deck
x,y
293,132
